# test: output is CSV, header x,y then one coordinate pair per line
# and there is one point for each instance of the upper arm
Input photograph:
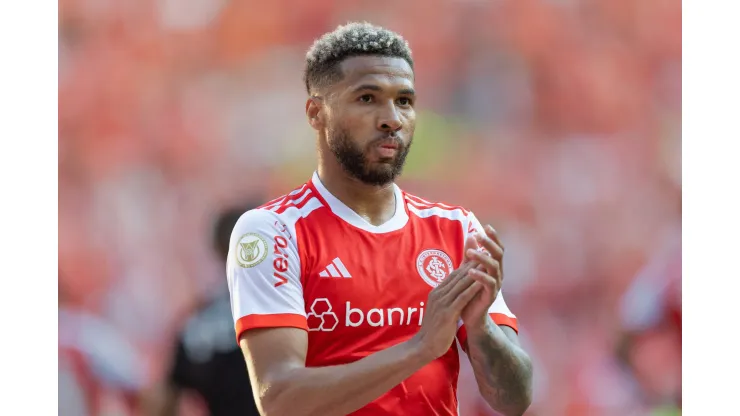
x,y
271,353
511,334
263,271
499,311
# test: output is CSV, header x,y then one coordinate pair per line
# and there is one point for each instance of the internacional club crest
x,y
250,250
433,266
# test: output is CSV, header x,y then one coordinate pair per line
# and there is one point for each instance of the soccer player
x,y
348,293
206,359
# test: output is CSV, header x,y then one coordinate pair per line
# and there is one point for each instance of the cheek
x,y
345,119
410,124
359,128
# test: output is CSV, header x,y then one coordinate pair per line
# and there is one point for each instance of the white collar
x,y
398,221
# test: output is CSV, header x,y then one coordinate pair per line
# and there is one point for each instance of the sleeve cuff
x,y
498,319
277,320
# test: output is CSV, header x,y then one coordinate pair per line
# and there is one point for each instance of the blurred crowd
x,y
557,121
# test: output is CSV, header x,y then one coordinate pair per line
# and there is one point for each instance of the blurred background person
x,y
100,370
171,111
206,358
650,342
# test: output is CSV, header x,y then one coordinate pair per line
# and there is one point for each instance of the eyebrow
x,y
370,87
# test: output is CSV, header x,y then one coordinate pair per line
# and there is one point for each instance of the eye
x,y
366,98
405,101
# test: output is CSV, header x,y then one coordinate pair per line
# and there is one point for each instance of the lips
x,y
389,143
387,152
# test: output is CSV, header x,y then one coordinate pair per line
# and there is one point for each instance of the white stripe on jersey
x,y
426,212
293,213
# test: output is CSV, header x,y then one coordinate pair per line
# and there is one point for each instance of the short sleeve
x,y
263,272
499,312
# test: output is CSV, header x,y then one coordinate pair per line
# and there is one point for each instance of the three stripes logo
x,y
335,270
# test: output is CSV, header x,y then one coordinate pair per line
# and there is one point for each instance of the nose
x,y
389,119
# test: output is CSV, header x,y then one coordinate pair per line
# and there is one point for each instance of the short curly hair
x,y
353,39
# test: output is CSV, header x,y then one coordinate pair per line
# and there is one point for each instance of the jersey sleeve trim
x,y
498,319
276,320
502,319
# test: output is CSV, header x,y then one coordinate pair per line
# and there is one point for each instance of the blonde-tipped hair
x,y
352,39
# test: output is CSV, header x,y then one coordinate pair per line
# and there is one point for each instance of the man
x,y
206,360
343,291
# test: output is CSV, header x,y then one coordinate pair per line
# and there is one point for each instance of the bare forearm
x,y
341,389
502,369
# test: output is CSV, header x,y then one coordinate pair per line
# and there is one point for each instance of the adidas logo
x,y
335,270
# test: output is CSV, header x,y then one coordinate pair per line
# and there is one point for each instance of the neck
x,y
376,204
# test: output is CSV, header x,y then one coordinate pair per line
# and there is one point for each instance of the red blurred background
x,y
557,121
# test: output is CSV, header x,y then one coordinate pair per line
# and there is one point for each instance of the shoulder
x,y
257,219
284,211
424,208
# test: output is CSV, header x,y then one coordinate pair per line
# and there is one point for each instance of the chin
x,y
381,176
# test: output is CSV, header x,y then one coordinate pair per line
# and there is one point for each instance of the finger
x,y
455,276
489,282
462,281
491,246
459,287
471,243
493,235
491,285
495,243
490,265
466,296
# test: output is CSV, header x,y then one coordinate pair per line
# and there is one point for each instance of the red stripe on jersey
x,y
297,194
417,204
290,204
275,320
317,194
422,203
274,201
282,198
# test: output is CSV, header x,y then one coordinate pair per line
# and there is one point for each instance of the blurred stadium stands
x,y
557,121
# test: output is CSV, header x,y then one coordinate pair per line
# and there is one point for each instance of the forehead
x,y
379,70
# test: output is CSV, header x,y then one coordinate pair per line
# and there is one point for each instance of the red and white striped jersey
x,y
306,260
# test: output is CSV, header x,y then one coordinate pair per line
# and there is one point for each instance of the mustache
x,y
388,139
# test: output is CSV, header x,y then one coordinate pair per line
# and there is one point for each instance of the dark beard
x,y
354,162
